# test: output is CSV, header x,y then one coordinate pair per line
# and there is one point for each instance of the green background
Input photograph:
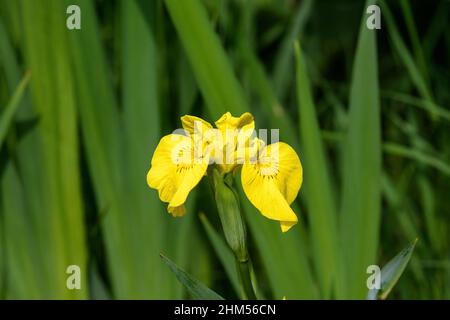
x,y
367,111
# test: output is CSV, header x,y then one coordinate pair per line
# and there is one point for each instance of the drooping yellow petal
x,y
188,178
175,170
272,183
290,169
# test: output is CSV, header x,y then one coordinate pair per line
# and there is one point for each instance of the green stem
x,y
233,225
245,278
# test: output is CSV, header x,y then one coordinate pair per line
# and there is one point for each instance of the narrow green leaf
x,y
361,200
415,40
223,252
391,273
97,288
417,155
403,151
277,115
146,217
22,266
284,59
21,280
212,70
57,215
9,111
318,187
196,289
427,105
405,56
100,126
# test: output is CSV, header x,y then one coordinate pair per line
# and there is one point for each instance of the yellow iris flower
x,y
271,175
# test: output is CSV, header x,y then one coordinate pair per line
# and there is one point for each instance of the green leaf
x,y
319,194
391,272
417,155
284,61
54,207
20,278
209,62
196,289
406,58
361,195
8,114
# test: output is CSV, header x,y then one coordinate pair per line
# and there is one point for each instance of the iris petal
x,y
234,133
272,183
193,124
175,171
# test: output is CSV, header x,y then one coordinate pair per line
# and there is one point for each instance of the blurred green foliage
x,y
367,110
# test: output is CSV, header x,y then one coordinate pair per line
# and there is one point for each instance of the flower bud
x,y
230,215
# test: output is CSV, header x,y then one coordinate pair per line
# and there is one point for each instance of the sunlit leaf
x,y
391,273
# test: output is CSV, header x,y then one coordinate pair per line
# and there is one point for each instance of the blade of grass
x,y
438,25
28,196
141,133
428,202
60,218
405,56
22,265
399,150
319,192
5,122
8,113
210,65
417,155
415,40
196,289
101,129
142,119
360,210
259,81
427,105
277,115
284,59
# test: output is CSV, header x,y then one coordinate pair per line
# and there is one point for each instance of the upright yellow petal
x,y
227,121
235,133
193,124
175,170
272,183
